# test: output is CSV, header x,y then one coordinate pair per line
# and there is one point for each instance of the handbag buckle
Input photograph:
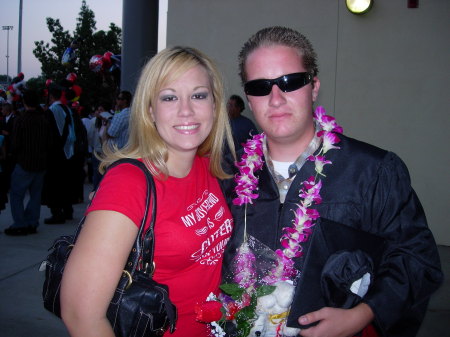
x,y
130,279
151,271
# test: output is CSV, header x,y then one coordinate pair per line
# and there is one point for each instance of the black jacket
x,y
367,189
31,140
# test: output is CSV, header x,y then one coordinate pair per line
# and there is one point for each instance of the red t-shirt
x,y
193,224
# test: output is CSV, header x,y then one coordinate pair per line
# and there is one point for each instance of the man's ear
x,y
315,89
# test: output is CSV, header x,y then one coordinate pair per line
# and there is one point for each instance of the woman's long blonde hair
x,y
144,140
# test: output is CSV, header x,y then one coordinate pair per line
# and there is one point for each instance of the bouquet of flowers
x,y
250,303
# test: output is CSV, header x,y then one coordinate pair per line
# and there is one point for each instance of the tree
x,y
5,79
36,83
94,85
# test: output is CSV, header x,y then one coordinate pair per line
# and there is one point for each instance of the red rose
x,y
233,308
208,312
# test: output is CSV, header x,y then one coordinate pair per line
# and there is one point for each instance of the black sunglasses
x,y
286,83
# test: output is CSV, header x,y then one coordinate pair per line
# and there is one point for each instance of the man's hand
x,y
334,322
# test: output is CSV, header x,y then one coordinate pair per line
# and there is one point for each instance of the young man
x,y
30,143
118,129
59,182
365,217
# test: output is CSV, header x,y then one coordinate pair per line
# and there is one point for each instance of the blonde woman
x,y
178,128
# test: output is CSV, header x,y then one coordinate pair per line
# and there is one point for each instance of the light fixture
x,y
7,28
359,6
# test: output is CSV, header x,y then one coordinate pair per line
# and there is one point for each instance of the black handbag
x,y
140,306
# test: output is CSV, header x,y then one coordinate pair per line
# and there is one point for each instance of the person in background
x,y
3,190
241,127
3,181
79,160
86,115
311,175
117,131
30,144
96,131
59,183
3,98
6,129
178,128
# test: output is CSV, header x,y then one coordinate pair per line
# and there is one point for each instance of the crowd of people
x,y
338,216
49,147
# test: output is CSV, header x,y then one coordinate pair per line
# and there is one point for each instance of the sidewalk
x,y
22,313
21,310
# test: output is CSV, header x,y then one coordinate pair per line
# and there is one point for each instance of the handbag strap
x,y
141,254
143,248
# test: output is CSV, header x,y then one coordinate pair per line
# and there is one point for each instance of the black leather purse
x,y
140,306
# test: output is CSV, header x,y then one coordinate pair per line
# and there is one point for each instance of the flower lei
x,y
292,237
244,292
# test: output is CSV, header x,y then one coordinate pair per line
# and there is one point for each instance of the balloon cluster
x,y
71,91
106,62
14,90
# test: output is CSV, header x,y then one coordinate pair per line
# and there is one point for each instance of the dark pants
x,y
21,182
59,187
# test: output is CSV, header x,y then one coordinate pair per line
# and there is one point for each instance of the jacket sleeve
x,y
410,268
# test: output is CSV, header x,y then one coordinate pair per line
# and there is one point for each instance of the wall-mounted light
x,y
359,6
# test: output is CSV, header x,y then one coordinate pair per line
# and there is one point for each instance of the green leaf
x,y
245,318
246,313
233,290
264,290
244,328
253,300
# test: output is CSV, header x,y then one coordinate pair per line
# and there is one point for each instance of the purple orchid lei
x,y
292,237
238,301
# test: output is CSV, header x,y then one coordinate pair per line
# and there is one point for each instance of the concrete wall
x,y
384,75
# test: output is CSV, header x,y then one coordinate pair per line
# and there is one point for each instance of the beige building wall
x,y
384,75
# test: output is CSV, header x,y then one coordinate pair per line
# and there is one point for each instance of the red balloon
x,y
71,77
107,62
48,82
96,63
77,90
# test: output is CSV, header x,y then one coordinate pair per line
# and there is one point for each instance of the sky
x,y
34,27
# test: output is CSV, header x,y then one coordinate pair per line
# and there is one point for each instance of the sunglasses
x,y
286,83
